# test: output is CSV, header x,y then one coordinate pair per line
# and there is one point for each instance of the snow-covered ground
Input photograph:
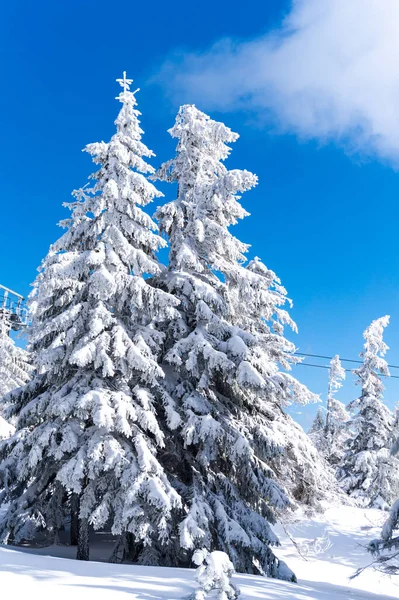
x,y
331,546
6,430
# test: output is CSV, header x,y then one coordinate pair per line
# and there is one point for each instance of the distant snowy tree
x,y
222,359
395,433
14,361
317,431
91,422
368,473
336,413
330,434
214,572
15,370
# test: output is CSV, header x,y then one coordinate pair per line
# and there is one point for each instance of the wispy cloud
x,y
330,72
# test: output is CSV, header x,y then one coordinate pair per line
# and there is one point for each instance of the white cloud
x,y
331,72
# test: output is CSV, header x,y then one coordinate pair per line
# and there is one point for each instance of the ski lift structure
x,y
13,309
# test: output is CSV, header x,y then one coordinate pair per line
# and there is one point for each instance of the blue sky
x,y
324,217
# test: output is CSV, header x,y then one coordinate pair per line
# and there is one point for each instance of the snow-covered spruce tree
x,y
369,474
221,358
91,421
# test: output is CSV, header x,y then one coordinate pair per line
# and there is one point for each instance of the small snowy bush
x,y
214,572
315,547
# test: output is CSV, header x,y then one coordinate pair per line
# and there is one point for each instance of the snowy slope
x,y
332,548
324,577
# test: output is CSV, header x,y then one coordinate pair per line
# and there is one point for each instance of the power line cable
x,y
341,359
347,370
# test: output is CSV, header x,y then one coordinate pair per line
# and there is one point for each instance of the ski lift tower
x,y
13,309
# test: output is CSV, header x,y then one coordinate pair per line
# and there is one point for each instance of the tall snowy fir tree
x,y
331,434
222,358
369,474
92,420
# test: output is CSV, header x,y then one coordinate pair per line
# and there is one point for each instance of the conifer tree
x,y
317,431
222,358
92,420
386,547
257,305
368,472
330,435
335,410
395,432
15,370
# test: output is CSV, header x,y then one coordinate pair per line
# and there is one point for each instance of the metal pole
x,y
3,287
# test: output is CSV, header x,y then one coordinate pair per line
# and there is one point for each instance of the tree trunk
x,y
328,415
56,537
125,549
10,539
120,549
74,532
83,540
